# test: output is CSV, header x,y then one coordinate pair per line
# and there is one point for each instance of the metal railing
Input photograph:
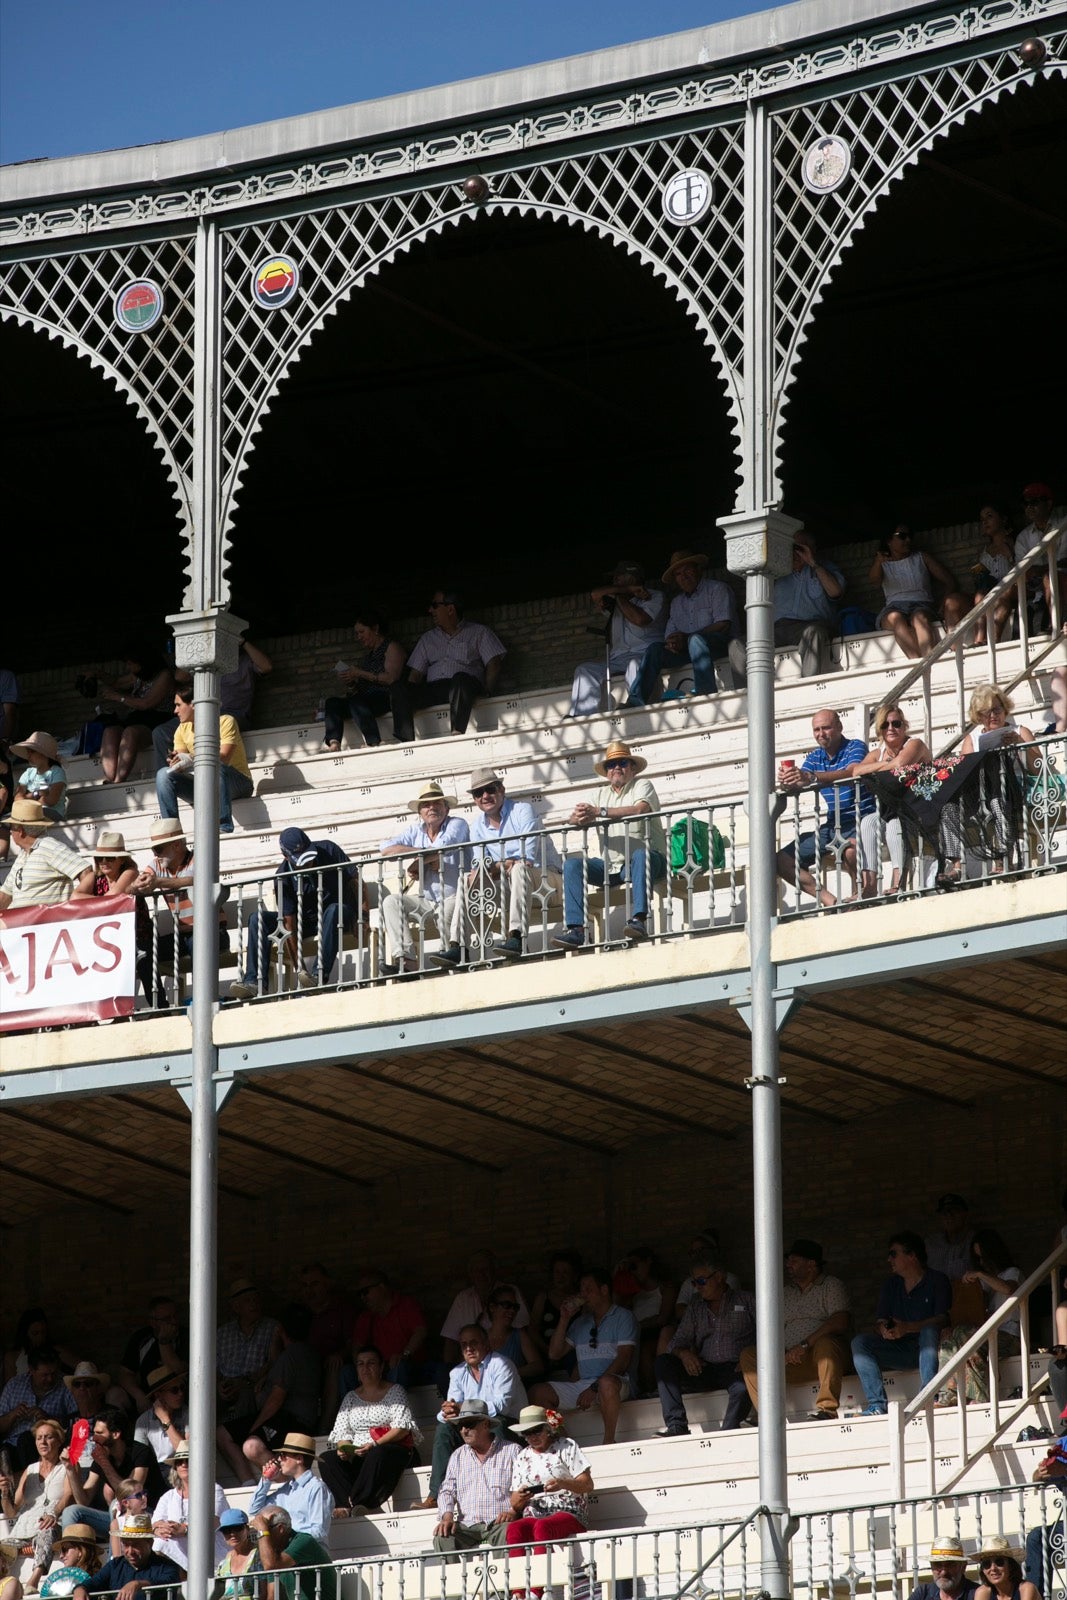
x,y
1008,819
1038,563
982,1347
879,1548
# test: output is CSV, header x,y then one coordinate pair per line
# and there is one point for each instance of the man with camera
x,y
636,615
805,606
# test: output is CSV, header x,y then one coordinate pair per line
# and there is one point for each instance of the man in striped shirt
x,y
475,1498
455,661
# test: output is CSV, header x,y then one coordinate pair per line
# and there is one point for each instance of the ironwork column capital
x,y
208,640
760,542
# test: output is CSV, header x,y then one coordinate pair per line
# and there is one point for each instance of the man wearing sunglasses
x,y
602,1338
513,860
913,1307
164,1423
719,1322
634,850
475,1501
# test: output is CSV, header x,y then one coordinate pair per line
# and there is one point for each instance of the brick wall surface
x,y
544,640
847,1187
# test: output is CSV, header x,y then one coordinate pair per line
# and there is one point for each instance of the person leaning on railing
x,y
836,759
895,747
281,1550
137,1568
1049,1545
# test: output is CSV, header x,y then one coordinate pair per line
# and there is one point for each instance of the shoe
x,y
306,980
748,1422
512,946
875,1411
821,1416
672,1433
570,938
225,827
450,957
635,930
243,991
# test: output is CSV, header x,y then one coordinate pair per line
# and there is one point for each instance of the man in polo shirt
x,y
719,1322
45,872
805,606
485,1379
289,1483
913,1307
948,1570
816,1315
280,1547
455,661
475,1500
836,757
175,780
602,1337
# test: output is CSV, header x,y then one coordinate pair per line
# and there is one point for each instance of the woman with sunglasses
x,y
76,1550
551,1482
170,1518
241,1559
907,577
507,1340
1002,1574
894,746
374,1440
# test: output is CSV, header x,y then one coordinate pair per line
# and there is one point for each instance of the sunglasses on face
x,y
487,788
616,766
542,1427
507,1305
893,722
466,1426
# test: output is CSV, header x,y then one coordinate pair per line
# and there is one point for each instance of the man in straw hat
x,y
513,859
46,872
702,627
289,1483
636,616
162,1426
948,1564
634,850
44,778
171,875
138,1567
431,878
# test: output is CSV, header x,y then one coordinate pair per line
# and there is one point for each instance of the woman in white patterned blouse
x,y
373,1440
550,1483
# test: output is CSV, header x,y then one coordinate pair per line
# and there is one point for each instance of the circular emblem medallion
x,y
826,164
275,281
687,196
138,306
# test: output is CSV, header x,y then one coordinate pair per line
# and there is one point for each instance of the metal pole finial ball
x,y
1032,52
476,189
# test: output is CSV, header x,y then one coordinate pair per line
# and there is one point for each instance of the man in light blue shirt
x,y
485,1384
512,861
430,879
602,1337
805,606
290,1483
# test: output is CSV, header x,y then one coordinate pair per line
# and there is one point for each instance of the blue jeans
x,y
702,651
574,911
99,1521
874,1355
172,786
262,924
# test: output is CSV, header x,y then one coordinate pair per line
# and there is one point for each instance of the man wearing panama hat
x,y
46,873
634,851
136,1568
431,877
702,627
288,1482
948,1566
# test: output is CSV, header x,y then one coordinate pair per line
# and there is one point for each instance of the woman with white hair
x,y
170,1519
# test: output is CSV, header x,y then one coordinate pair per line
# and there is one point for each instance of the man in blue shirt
x,y
289,1482
837,758
315,875
913,1307
484,1384
948,1568
136,1568
805,607
514,860
602,1337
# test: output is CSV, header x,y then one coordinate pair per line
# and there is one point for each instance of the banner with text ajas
x,y
71,963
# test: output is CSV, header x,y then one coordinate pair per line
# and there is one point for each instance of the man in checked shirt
x,y
719,1322
475,1498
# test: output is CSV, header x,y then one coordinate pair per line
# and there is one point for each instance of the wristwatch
x,y
604,812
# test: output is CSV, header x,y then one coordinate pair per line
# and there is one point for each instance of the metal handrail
x,y
954,639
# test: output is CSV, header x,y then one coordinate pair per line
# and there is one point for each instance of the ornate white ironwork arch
x,y
887,129
613,194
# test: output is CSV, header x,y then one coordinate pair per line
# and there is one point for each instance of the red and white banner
x,y
71,963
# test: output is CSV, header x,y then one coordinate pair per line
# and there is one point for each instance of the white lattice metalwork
x,y
71,298
533,128
886,127
616,194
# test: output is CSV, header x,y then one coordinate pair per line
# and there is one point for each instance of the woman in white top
x,y
998,1279
551,1482
911,611
42,1493
994,563
373,1441
894,746
170,1519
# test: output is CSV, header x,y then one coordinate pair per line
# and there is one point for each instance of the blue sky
x,y
93,76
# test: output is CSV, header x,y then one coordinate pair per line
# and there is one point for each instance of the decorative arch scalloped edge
x,y
897,171
728,377
180,486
